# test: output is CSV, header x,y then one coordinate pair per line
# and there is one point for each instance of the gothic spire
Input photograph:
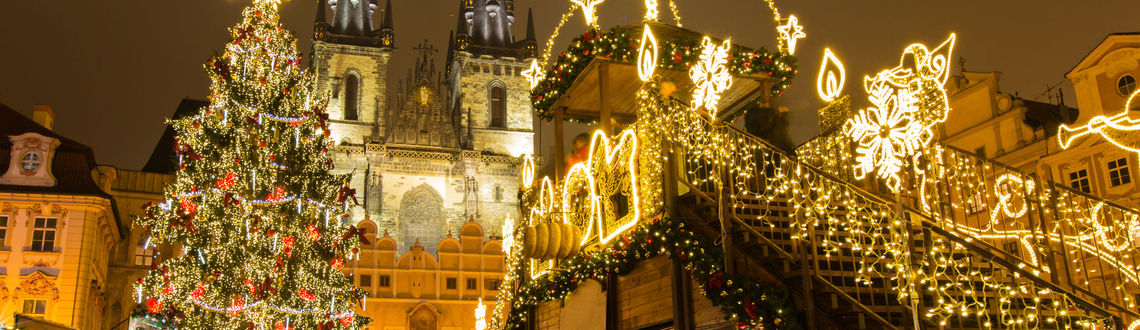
x,y
321,17
491,22
387,23
352,17
530,24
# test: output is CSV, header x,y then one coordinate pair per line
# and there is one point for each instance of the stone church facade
x,y
442,147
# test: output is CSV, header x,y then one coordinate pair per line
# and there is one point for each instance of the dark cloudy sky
x,y
113,70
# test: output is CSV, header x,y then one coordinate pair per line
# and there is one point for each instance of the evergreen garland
x,y
751,302
621,44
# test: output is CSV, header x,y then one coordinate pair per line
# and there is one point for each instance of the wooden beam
x,y
559,146
606,108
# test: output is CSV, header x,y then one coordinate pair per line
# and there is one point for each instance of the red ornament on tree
x,y
227,182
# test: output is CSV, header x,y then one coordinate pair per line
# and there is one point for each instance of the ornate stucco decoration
x,y
31,161
38,284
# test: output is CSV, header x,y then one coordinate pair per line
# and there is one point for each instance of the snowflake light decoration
x,y
710,76
907,101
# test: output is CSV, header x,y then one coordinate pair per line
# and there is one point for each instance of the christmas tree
x,y
253,205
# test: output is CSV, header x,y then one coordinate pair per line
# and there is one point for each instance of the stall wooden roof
x,y
583,99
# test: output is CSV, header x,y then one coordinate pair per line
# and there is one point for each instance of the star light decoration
x,y
791,32
710,75
907,101
534,74
588,10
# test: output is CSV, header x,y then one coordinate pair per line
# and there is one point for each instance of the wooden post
x,y
559,146
613,319
682,299
604,104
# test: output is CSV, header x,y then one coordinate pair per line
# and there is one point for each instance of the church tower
x,y
351,63
484,69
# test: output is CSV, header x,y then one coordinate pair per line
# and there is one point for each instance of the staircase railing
x,y
868,249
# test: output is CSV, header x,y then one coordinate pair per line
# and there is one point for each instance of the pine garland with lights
x,y
751,302
621,44
253,203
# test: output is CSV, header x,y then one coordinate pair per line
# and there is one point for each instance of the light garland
x,y
791,32
710,76
526,172
832,77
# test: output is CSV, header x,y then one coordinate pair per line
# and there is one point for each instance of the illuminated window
x,y
1126,85
351,97
144,253
472,284
43,235
36,308
452,283
1080,180
30,162
3,230
498,106
366,281
493,284
385,281
975,203
1118,172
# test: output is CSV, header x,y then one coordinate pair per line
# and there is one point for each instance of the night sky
x,y
114,70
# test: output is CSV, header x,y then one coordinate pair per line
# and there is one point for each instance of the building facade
x,y
434,156
1104,81
58,226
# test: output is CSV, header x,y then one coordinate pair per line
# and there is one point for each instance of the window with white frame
x,y
43,234
3,230
1080,180
1118,173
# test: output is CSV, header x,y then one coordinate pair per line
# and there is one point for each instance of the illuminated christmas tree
x,y
253,205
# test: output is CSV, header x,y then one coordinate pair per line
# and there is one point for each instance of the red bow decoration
x,y
358,232
750,307
345,193
252,121
716,281
188,151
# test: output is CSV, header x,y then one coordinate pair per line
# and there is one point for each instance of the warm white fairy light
x,y
710,76
534,74
832,77
1119,129
589,10
480,315
651,11
908,101
527,171
791,32
508,234
647,55
1014,184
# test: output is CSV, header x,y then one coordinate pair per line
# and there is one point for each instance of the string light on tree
x,y
832,77
791,32
710,76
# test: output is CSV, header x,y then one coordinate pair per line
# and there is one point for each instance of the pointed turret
x,y
530,24
387,29
321,18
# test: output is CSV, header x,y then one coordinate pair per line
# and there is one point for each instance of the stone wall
x,y
331,63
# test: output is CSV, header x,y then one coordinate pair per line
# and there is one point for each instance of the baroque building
x,y
443,148
58,227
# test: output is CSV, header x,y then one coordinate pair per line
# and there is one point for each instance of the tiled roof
x,y
162,158
71,166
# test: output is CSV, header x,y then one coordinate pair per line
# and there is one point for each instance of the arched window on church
x,y
498,106
351,97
